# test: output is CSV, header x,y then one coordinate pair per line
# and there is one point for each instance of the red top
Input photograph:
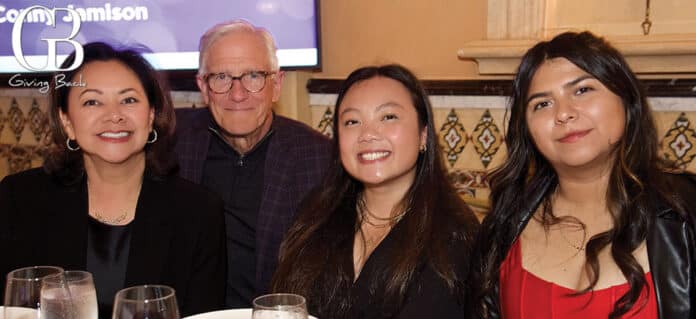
x,y
524,295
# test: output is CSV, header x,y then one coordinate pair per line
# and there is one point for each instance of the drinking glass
x,y
280,306
146,302
22,291
69,295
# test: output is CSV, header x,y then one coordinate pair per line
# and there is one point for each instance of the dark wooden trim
x,y
668,88
654,88
468,87
182,80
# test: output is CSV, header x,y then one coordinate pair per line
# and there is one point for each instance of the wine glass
x,y
22,291
280,306
146,302
69,295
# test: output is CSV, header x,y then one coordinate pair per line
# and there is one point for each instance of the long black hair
x,y
526,180
316,258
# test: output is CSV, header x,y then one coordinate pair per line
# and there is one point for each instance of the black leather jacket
x,y
671,253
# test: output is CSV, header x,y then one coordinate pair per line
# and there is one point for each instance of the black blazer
x,y
177,237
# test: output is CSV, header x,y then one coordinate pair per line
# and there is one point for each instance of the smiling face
x,y
574,120
379,134
241,114
110,117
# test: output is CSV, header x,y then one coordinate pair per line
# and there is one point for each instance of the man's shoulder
x,y
174,185
296,130
190,117
191,125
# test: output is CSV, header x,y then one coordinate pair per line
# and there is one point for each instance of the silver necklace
x,y
118,220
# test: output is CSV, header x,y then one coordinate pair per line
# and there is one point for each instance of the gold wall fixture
x,y
646,23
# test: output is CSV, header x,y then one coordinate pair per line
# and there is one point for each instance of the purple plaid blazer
x,y
296,160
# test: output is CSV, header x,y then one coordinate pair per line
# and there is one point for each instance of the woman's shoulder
x,y
681,189
29,179
684,182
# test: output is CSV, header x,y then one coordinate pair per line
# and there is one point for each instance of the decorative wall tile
x,y
38,123
19,159
2,121
453,138
486,138
679,143
326,124
467,181
16,119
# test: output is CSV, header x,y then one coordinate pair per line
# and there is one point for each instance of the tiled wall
x,y
471,132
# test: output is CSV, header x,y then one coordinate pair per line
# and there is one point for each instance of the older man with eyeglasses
x,y
260,163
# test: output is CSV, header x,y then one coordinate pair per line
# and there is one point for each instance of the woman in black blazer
x,y
106,199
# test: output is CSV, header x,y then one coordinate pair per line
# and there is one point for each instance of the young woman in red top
x,y
584,222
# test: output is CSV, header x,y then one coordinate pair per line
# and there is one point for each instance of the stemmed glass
x,y
69,295
280,306
146,302
22,291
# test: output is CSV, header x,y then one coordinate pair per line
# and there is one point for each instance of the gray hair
x,y
233,26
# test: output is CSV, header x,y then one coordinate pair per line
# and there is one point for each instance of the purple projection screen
x,y
166,31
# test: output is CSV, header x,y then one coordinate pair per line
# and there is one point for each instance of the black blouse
x,y
427,296
107,259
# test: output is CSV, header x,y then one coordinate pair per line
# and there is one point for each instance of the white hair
x,y
233,26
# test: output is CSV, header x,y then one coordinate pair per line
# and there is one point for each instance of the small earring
x,y
423,148
70,147
152,139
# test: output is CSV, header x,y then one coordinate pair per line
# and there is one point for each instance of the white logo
x,y
51,21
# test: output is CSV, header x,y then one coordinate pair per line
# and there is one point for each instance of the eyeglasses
x,y
253,81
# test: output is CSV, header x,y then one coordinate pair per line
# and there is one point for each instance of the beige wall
x,y
621,17
423,35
